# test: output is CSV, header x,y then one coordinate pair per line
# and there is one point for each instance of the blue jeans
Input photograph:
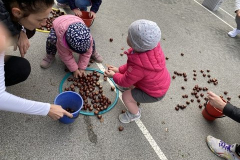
x,y
81,4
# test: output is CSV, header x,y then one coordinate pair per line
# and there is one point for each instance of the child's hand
x,y
82,72
112,68
78,73
92,14
109,73
77,12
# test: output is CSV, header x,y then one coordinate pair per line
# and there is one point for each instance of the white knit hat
x,y
144,35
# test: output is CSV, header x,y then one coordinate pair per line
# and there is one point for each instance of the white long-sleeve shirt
x,y
12,103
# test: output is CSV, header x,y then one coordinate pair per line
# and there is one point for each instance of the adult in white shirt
x,y
9,102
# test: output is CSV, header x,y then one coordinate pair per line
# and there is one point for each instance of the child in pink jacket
x,y
69,34
145,69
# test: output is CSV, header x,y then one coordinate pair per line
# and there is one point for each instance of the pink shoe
x,y
47,61
97,57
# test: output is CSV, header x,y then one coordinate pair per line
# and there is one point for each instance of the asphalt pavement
x,y
162,132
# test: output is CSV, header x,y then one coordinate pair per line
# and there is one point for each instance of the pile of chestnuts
x,y
53,15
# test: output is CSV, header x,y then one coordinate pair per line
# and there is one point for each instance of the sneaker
x,y
222,149
47,61
234,32
62,5
97,57
128,117
122,89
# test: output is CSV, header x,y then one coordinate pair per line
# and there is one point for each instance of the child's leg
x,y
51,49
82,4
51,43
130,103
95,55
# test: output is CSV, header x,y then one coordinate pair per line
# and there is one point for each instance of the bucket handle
x,y
212,115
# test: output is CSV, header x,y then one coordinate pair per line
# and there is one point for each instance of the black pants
x,y
17,69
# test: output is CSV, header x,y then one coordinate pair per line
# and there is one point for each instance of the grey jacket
x,y
13,27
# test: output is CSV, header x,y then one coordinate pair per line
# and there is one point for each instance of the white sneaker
x,y
234,32
128,117
222,149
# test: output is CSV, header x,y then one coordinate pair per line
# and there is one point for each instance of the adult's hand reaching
x,y
57,112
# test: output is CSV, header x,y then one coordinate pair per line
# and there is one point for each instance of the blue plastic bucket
x,y
72,101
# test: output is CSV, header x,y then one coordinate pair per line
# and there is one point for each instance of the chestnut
x,y
182,54
173,77
228,98
187,102
198,100
177,108
112,88
192,100
111,39
99,116
208,70
194,70
166,58
105,78
72,86
200,106
183,87
123,111
185,79
96,112
201,94
120,128
225,92
194,78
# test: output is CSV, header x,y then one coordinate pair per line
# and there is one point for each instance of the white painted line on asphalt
x,y
141,126
214,14
227,13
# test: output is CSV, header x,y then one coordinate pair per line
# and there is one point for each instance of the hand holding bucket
x,y
71,100
214,107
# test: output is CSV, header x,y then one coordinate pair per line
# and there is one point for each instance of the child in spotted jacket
x,y
69,34
145,69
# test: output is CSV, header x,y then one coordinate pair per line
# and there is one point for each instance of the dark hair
x,y
28,6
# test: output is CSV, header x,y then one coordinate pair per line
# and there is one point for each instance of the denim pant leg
x,y
51,43
62,1
83,4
